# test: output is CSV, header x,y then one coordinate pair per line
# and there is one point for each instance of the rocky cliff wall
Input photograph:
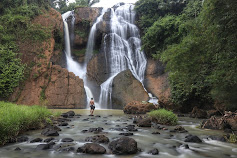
x,y
156,82
46,83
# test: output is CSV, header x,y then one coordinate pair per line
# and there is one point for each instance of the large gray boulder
x,y
125,89
123,146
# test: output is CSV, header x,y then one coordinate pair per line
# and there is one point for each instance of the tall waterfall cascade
x,y
122,48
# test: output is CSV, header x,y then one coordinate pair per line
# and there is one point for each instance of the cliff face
x,y
156,82
84,19
46,83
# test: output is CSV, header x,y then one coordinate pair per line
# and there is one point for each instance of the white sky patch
x,y
109,3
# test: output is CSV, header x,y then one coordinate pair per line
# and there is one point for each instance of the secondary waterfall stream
x,y
122,48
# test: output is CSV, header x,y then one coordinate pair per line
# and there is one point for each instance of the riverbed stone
x,y
126,134
218,138
36,140
63,124
67,149
92,148
98,139
153,152
49,132
43,147
67,140
193,139
17,149
49,139
22,139
63,145
145,122
131,128
123,146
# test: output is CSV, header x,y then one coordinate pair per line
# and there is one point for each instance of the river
x,y
169,144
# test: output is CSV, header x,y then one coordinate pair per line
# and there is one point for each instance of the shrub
x,y
18,118
163,116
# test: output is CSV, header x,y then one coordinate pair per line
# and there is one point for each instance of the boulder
x,y
49,132
36,140
153,152
198,113
156,82
17,149
98,139
22,139
145,122
125,89
193,139
43,147
97,69
64,145
126,134
138,108
67,140
49,140
123,146
218,138
92,148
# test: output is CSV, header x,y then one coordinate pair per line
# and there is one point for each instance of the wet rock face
x,y
123,146
65,90
97,70
138,108
156,82
92,148
125,89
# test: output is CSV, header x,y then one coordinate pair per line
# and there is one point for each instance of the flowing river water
x,y
169,144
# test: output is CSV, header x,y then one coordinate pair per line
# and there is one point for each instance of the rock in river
x,y
92,148
123,146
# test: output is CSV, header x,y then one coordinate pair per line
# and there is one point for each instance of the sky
x,y
109,3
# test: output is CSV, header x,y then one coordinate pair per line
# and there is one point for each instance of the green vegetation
x,y
232,138
163,116
198,47
16,27
18,118
11,71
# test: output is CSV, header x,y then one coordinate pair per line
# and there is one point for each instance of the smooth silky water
x,y
169,146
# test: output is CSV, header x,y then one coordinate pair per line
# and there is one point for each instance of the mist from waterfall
x,y
122,47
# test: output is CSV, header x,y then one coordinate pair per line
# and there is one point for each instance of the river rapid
x,y
169,144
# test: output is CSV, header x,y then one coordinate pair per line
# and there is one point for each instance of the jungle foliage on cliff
x,y
15,25
197,42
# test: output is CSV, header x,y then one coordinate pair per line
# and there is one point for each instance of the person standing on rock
x,y
92,106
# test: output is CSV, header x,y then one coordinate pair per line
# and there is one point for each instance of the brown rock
x,y
138,108
198,113
156,82
48,84
97,70
125,89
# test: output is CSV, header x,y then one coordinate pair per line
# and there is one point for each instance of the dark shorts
x,y
92,107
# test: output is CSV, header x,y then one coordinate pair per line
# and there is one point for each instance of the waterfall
x,y
73,66
91,39
122,46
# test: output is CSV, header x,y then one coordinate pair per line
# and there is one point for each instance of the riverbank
x,y
16,119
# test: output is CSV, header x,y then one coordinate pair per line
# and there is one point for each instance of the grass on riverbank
x,y
163,116
15,119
